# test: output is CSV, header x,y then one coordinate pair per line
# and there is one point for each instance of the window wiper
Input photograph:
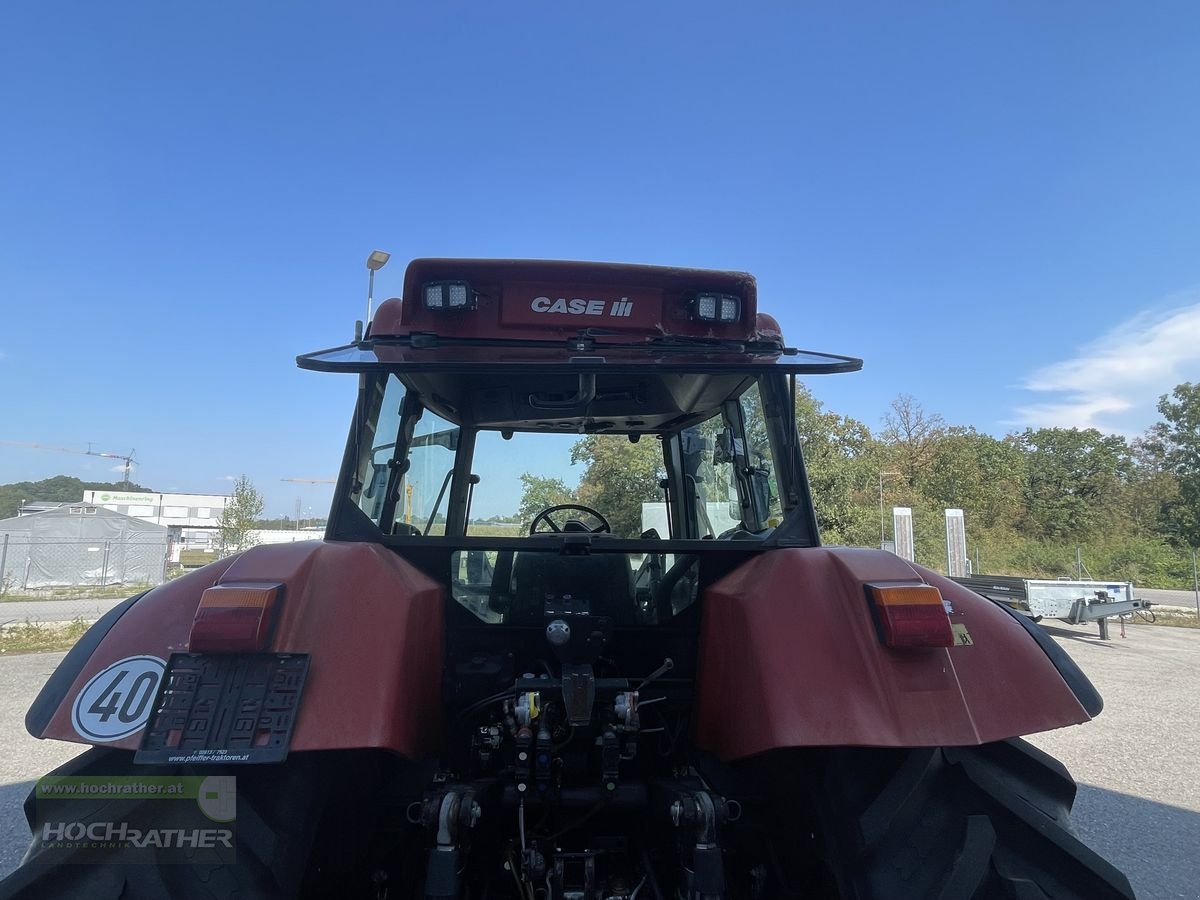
x,y
438,502
447,438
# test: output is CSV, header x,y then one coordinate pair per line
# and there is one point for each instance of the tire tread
x,y
963,822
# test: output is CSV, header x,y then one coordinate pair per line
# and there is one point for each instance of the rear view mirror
x,y
379,477
723,448
760,483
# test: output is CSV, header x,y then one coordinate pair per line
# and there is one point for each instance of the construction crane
x,y
306,481
128,459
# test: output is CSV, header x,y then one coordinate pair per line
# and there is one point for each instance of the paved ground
x,y
1138,764
22,758
1167,598
16,611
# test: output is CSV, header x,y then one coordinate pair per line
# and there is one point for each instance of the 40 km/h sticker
x,y
117,701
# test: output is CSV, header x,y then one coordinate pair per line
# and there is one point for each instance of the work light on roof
x,y
717,308
448,295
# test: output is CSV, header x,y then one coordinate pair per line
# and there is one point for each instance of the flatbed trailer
x,y
1073,602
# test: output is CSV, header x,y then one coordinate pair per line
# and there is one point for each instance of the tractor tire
x,y
274,829
957,822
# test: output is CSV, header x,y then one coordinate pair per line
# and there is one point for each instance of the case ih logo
x,y
578,307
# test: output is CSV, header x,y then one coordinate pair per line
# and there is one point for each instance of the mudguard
x,y
371,623
790,657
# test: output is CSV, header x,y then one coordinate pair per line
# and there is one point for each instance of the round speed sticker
x,y
116,702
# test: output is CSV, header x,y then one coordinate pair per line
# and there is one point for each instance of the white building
x,y
171,510
191,520
286,535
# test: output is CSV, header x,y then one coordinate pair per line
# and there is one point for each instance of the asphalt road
x,y
1167,598
1138,764
17,611
22,758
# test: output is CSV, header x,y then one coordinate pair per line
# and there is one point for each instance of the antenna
x,y
376,261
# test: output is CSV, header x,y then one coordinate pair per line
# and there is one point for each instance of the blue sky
x,y
997,205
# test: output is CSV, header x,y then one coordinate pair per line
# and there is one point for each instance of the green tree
x,y
539,493
977,473
620,477
236,526
842,461
58,489
1177,439
1075,481
911,436
1154,487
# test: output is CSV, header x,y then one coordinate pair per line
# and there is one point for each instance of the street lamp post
x,y
376,261
1195,583
882,531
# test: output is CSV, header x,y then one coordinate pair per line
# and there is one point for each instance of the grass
x,y
33,637
82,592
495,530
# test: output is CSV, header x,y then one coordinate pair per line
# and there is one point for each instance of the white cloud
x,y
226,478
1114,382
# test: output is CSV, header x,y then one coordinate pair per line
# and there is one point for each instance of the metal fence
x,y
42,580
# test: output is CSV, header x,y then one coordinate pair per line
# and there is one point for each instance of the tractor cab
x,y
571,635
637,417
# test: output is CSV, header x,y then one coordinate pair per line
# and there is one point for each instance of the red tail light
x,y
234,618
910,615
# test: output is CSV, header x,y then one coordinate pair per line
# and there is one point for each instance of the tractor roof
x,y
481,315
540,299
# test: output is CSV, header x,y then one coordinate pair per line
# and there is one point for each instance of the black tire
x,y
971,822
275,825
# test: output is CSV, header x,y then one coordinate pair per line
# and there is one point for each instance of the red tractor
x,y
665,687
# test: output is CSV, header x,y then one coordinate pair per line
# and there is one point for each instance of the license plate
x,y
224,708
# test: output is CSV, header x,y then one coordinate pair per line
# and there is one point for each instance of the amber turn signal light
x,y
910,616
234,618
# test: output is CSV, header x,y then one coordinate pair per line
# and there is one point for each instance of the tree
x,y
236,526
59,489
1154,488
539,493
912,435
1178,441
1075,480
841,459
620,477
977,473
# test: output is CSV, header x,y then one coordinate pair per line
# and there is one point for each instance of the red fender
x,y
790,658
789,655
371,622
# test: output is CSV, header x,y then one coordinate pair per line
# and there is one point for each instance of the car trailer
x,y
1073,602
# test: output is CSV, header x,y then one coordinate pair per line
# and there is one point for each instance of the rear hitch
x,y
446,814
703,814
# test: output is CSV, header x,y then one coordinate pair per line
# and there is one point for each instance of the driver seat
x,y
605,580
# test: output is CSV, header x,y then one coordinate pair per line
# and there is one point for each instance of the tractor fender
x,y
370,622
790,657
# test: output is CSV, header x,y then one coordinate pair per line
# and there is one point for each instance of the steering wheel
x,y
547,516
